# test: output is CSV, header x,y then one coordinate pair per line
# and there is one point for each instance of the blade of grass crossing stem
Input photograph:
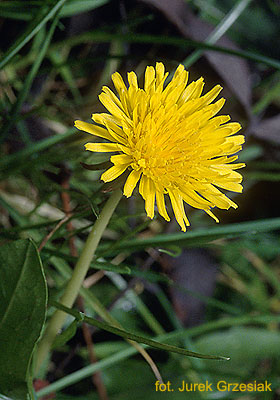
x,y
30,77
197,237
42,18
131,336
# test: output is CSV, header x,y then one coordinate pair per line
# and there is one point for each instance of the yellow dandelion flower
x,y
170,140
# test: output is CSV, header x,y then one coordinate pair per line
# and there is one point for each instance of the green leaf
x,y
74,7
172,251
107,266
197,237
23,298
131,336
66,335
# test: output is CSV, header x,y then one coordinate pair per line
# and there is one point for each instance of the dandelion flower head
x,y
170,140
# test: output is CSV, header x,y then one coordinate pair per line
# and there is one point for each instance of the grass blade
x,y
197,237
7,161
31,31
131,336
219,31
30,77
180,333
106,37
78,6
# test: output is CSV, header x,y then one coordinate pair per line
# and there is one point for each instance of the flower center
x,y
142,162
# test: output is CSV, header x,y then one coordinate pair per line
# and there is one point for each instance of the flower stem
x,y
78,276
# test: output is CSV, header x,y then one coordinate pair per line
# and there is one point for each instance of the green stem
x,y
78,276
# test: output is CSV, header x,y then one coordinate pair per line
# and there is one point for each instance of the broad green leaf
x,y
23,298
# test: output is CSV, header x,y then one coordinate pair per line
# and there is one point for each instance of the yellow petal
x,y
116,132
112,107
131,182
119,83
236,140
160,75
161,205
112,96
102,147
193,199
212,215
132,79
103,117
228,129
216,197
199,84
93,129
121,159
150,198
113,173
178,208
226,184
143,186
211,95
149,83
